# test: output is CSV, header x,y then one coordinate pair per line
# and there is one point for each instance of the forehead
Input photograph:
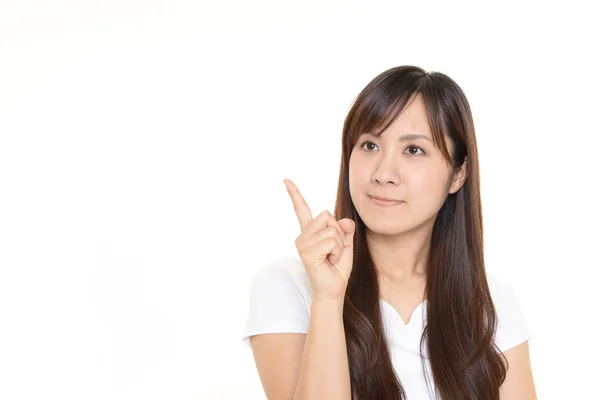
x,y
412,119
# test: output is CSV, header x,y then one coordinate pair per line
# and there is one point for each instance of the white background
x,y
143,145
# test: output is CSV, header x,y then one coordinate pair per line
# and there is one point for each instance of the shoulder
x,y
289,269
502,292
512,328
499,288
283,278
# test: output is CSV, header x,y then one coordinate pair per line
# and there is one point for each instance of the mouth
x,y
384,202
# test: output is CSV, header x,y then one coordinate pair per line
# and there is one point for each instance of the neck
x,y
401,258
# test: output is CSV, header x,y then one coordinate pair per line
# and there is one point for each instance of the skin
x,y
413,171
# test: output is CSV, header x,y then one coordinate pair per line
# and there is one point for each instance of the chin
x,y
387,228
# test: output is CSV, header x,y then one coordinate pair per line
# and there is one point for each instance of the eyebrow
x,y
409,136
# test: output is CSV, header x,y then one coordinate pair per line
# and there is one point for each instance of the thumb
x,y
345,262
349,227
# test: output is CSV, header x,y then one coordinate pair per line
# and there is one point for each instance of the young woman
x,y
389,298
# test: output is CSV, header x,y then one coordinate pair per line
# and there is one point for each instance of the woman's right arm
x,y
326,248
306,367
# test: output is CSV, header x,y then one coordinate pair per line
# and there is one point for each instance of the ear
x,y
460,176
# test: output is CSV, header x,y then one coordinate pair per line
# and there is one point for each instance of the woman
x,y
390,298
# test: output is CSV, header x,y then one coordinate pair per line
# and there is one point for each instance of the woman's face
x,y
398,165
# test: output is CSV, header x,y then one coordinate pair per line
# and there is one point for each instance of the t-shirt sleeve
x,y
277,302
512,328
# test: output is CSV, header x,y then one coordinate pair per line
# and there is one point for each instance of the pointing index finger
x,y
300,207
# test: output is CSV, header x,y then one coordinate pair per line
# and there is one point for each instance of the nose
x,y
386,172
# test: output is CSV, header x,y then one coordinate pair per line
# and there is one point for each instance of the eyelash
x,y
417,147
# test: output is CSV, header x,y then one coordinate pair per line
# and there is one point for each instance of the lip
x,y
384,202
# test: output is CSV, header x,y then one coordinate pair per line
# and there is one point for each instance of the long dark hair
x,y
461,318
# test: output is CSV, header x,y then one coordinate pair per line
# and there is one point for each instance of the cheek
x,y
426,190
359,186
356,184
356,174
419,183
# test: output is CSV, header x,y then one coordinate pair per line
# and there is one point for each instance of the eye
x,y
365,142
409,147
415,147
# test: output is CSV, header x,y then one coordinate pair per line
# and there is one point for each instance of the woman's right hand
x,y
326,247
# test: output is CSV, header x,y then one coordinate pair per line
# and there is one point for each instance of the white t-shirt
x,y
281,296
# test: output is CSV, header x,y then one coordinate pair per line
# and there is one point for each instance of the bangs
x,y
380,109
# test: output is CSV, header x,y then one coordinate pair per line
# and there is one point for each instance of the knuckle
x,y
336,231
336,223
301,253
325,214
